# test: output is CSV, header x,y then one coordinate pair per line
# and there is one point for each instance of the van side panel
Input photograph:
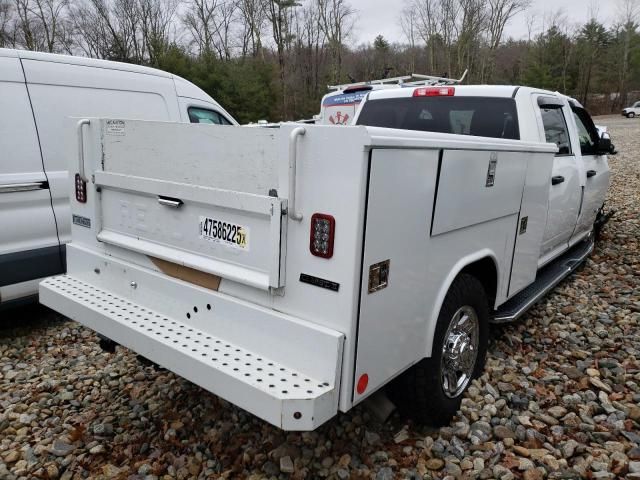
x,y
28,236
60,90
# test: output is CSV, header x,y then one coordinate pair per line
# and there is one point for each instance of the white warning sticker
x,y
116,128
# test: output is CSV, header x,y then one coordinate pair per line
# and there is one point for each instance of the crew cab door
x,y
566,191
29,247
596,170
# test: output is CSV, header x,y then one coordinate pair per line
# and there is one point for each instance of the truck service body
x,y
296,270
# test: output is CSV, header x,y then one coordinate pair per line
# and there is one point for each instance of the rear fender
x,y
446,285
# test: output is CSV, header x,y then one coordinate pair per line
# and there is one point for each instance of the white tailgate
x,y
161,197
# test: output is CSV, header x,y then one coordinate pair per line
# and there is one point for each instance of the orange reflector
x,y
363,381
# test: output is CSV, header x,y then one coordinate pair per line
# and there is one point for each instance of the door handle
x,y
23,187
557,180
591,173
170,202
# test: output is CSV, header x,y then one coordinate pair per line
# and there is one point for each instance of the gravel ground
x,y
559,398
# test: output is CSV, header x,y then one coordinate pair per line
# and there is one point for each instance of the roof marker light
x,y
434,92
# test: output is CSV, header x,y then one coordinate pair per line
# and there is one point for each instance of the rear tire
x,y
426,392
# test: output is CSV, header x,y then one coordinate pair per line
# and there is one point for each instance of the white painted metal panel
x,y
132,215
286,397
393,320
26,217
225,157
61,87
465,196
598,178
535,203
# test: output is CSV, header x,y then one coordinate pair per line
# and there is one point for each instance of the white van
x,y
38,93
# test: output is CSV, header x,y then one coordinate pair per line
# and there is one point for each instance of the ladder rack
x,y
407,80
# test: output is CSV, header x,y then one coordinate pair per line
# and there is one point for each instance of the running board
x,y
547,278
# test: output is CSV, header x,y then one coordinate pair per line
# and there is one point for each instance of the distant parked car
x,y
632,111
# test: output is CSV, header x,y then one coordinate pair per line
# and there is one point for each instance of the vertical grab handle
x,y
293,137
81,123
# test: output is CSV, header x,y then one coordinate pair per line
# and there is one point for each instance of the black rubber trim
x,y
435,194
364,239
29,265
515,92
18,302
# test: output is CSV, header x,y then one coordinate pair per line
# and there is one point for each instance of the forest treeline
x,y
273,59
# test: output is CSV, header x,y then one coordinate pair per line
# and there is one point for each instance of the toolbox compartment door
x,y
161,197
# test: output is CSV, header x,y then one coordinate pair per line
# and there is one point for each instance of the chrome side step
x,y
548,277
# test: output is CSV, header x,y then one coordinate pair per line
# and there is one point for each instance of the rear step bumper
x,y
548,277
279,394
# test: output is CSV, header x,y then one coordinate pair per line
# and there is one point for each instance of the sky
x,y
377,17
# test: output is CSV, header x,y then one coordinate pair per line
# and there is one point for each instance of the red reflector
x,y
363,381
434,92
81,189
323,228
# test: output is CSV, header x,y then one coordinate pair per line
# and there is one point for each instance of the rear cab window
x,y
494,117
205,115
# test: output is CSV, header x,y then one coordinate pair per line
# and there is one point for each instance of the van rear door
x,y
29,247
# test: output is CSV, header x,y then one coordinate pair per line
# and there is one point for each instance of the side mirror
x,y
605,145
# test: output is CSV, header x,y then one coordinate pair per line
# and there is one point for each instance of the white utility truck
x,y
294,271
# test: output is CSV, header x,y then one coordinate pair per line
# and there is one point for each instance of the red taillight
x,y
81,189
434,92
323,229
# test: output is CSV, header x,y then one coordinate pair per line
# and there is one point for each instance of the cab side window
x,y
204,115
555,129
587,131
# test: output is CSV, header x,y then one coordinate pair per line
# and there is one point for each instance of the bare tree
x,y
253,18
156,25
472,23
224,22
200,20
6,32
336,21
50,16
499,14
409,28
210,23
280,14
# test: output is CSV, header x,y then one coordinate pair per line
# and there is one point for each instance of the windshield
x,y
494,117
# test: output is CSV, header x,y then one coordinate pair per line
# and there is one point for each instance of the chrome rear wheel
x,y
459,351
